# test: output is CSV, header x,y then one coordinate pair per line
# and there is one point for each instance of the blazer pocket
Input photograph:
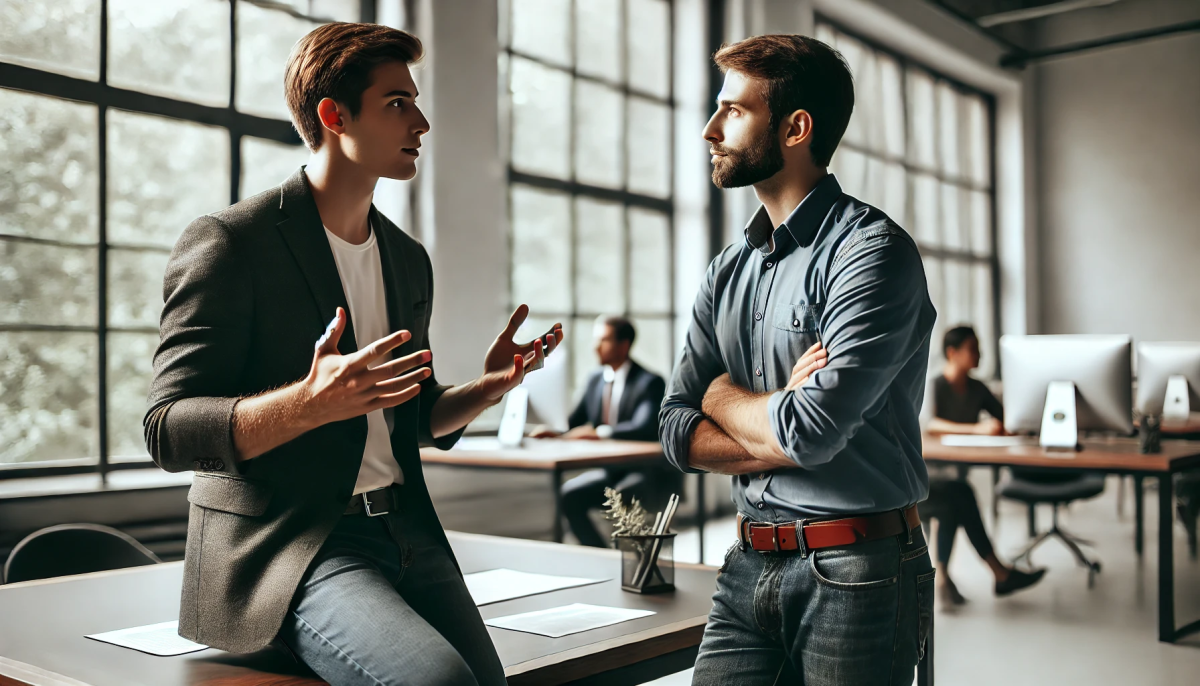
x,y
230,494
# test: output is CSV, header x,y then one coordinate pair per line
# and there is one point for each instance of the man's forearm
x,y
743,416
265,422
456,408
712,450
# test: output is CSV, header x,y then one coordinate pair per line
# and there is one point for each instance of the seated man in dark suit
x,y
620,400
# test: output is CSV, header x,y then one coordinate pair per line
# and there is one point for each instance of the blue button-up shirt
x,y
842,272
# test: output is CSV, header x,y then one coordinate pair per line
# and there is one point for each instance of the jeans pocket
x,y
859,567
924,610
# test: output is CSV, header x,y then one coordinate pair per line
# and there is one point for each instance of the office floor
x,y
1059,632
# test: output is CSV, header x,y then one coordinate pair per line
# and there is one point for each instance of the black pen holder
x,y
647,563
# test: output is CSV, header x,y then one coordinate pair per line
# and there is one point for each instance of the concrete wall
x,y
1119,177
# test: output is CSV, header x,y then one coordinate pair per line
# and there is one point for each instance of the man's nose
x,y
711,132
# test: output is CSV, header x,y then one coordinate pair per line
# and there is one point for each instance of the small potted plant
x,y
647,550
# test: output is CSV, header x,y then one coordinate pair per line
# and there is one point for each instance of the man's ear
x,y
331,118
797,128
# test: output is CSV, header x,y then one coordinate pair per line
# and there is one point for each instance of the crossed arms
x,y
872,325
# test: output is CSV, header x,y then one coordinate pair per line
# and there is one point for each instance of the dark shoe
x,y
1017,580
948,593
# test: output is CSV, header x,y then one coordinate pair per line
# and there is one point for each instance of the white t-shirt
x,y
362,281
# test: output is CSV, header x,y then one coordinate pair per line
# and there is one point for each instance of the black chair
x,y
74,549
1035,487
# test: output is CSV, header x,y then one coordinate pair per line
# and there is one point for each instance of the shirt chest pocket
x,y
796,329
798,318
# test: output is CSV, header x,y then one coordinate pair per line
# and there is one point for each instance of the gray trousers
x,y
383,604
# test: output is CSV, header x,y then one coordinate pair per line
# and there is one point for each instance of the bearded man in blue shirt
x,y
802,377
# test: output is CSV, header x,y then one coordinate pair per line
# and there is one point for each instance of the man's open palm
x,y
507,363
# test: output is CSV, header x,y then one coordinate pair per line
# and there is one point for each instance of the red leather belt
x,y
766,537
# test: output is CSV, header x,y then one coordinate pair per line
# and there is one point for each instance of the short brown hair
x,y
622,327
801,73
335,61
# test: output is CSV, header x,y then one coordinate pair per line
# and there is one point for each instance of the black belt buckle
x,y
366,498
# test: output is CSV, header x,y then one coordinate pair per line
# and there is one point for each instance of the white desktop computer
x,y
1062,385
1168,381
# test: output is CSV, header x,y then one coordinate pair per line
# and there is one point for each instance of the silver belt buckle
x,y
367,506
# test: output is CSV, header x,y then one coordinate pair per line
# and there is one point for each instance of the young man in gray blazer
x,y
310,518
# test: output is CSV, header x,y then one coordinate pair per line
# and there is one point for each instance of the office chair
x,y
1033,487
74,549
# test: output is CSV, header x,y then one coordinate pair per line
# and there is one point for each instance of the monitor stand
x,y
512,424
1177,403
1060,425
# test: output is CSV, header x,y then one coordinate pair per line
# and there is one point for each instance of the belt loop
x,y
742,535
801,543
904,525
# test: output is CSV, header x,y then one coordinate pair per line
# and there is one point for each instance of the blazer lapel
x,y
596,399
304,234
630,393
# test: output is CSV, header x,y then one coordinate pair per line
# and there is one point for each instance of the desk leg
x,y
701,512
1166,559
556,489
1139,514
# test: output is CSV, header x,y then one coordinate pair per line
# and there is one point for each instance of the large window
x,y
586,86
919,147
120,122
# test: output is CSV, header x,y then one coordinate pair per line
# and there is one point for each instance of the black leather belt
x,y
374,503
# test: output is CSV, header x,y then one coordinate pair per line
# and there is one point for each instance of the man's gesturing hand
x,y
506,363
343,386
812,360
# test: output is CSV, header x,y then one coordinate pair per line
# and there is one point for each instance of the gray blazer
x,y
248,291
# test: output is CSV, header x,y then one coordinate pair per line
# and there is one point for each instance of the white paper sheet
x,y
156,639
972,441
496,585
569,619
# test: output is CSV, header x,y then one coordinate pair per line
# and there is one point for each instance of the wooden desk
x,y
1112,456
44,622
556,456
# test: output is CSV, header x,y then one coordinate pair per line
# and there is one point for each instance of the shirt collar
x,y
621,373
802,224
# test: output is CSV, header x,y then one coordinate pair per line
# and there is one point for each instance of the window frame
x,y
965,256
104,96
574,189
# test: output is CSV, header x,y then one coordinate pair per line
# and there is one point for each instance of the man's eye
x,y
396,103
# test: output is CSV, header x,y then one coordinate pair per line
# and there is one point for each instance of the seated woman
x,y
957,400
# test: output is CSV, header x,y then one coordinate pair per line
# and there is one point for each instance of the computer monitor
x,y
1168,380
549,394
1061,385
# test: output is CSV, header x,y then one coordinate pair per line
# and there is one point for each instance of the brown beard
x,y
757,162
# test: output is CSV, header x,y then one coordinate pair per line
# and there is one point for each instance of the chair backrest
x,y
74,549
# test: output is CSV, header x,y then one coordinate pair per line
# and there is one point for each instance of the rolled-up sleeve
x,y
876,318
700,364
204,338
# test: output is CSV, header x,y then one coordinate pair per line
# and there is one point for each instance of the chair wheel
x,y
1096,567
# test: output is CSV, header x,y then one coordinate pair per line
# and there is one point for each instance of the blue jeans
x,y
851,615
384,604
